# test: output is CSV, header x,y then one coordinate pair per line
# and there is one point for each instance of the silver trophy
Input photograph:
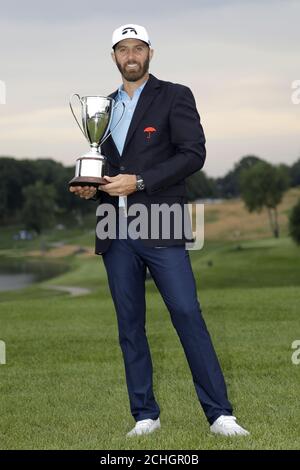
x,y
97,113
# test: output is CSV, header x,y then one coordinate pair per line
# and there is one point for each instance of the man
x,y
156,145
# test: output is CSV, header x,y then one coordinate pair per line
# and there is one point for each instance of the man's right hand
x,y
85,192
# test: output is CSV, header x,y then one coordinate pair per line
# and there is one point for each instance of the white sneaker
x,y
145,426
227,426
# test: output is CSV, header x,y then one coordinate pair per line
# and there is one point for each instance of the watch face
x,y
140,185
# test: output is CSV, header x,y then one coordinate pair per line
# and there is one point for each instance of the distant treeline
x,y
229,186
35,192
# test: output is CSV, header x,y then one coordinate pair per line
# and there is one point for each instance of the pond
x,y
17,274
15,281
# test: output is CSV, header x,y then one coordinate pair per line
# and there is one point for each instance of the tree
x,y
295,173
286,174
229,185
39,206
294,223
10,188
198,185
262,186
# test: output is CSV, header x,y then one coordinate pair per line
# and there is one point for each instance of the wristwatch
x,y
140,185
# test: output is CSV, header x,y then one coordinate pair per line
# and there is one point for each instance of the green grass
x,y
63,386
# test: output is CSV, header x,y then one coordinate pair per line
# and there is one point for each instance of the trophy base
x,y
90,169
87,181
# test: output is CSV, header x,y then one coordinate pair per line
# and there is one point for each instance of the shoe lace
x,y
226,420
144,422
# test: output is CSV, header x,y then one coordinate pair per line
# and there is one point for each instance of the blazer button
x,y
122,168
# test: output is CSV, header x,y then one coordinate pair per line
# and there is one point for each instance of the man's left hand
x,y
120,185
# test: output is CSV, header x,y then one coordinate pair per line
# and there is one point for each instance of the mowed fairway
x,y
63,386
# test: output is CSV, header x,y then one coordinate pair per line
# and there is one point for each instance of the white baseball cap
x,y
130,31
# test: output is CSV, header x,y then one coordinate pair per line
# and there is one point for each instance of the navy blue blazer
x,y
165,143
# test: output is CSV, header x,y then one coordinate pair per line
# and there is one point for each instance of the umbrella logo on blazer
x,y
149,131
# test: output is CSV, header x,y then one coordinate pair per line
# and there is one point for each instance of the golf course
x,y
63,386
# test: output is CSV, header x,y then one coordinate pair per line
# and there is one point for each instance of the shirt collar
x,y
137,92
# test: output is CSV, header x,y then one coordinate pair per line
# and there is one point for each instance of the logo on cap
x,y
131,30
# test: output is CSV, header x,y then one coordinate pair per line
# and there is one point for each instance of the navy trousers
x,y
170,267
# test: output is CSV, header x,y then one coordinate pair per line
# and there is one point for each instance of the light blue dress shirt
x,y
120,133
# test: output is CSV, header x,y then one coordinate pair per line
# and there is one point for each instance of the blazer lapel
x,y
109,145
111,152
147,96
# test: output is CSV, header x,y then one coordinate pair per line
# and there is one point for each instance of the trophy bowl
x,y
96,115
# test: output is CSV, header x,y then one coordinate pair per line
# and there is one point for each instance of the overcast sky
x,y
238,57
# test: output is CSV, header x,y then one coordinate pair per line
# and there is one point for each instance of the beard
x,y
135,74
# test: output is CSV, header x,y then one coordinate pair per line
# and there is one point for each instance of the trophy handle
x,y
71,107
108,135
